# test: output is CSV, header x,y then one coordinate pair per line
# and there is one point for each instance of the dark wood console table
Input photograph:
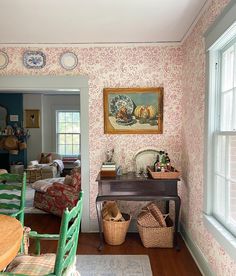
x,y
129,187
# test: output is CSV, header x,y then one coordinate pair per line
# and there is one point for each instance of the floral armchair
x,y
62,193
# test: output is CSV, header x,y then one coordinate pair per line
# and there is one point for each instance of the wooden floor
x,y
164,262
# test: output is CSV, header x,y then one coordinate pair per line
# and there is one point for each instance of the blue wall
x,y
13,102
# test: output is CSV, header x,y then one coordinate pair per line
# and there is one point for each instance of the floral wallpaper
x,y
118,66
193,103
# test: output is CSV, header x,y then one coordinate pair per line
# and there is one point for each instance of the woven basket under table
x,y
115,231
157,236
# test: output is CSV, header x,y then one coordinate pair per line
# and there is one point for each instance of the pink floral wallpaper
x,y
193,103
118,66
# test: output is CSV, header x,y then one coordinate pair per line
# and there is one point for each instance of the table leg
x,y
177,209
167,207
99,216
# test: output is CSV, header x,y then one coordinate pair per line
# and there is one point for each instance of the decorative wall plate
x,y
34,59
144,158
3,60
68,60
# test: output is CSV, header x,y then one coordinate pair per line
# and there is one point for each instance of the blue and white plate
x,y
34,59
121,101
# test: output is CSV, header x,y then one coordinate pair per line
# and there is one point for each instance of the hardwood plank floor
x,y
164,262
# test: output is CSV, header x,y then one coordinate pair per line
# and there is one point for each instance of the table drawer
x,y
160,188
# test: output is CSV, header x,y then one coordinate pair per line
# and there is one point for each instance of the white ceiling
x,y
97,21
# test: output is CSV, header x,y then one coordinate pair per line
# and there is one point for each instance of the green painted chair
x,y
12,195
61,263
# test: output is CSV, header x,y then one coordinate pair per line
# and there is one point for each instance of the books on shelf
x,y
108,169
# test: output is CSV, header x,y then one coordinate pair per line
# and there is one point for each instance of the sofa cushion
x,y
44,184
45,158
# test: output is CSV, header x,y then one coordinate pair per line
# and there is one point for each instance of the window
x,y
224,144
68,133
220,143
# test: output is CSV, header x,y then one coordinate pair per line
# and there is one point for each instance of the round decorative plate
x,y
121,101
3,60
68,60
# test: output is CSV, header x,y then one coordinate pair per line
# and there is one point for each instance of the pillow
x,y
68,180
45,158
76,178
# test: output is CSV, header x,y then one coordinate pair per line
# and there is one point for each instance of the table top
x,y
131,176
11,233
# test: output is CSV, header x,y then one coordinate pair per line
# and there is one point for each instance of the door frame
x,y
61,85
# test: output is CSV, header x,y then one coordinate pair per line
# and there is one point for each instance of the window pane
x,y
69,150
69,128
232,158
76,149
227,69
61,139
61,116
61,128
76,117
61,149
219,196
232,208
234,106
226,111
221,162
76,139
76,127
69,139
69,117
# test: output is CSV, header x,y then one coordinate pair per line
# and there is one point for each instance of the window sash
x,y
224,181
69,147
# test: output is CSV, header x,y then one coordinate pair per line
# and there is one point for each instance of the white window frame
x,y
64,155
216,38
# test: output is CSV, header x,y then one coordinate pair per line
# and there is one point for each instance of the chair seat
x,y
33,265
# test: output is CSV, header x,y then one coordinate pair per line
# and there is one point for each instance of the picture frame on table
x,y
133,110
32,118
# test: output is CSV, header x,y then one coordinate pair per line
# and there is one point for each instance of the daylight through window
x,y
68,133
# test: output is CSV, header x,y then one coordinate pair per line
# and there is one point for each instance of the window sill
x,y
222,235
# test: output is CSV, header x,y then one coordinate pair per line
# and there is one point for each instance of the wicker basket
x,y
115,231
157,236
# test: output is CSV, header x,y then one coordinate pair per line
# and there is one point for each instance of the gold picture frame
x,y
133,110
32,118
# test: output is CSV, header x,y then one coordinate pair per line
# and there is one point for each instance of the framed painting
x,y
32,118
133,110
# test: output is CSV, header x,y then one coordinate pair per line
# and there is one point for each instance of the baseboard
x,y
196,253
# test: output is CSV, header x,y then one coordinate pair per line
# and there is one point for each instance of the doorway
x,y
53,85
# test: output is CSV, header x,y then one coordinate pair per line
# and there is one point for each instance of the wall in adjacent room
x,y
51,103
35,142
193,106
13,102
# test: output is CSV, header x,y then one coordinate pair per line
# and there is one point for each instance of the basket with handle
x,y
115,231
157,236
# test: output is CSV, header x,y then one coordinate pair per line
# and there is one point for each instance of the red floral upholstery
x,y
59,196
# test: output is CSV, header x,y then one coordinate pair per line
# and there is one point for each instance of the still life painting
x,y
133,110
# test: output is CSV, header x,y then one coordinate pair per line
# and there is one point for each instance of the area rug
x,y
113,265
29,198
